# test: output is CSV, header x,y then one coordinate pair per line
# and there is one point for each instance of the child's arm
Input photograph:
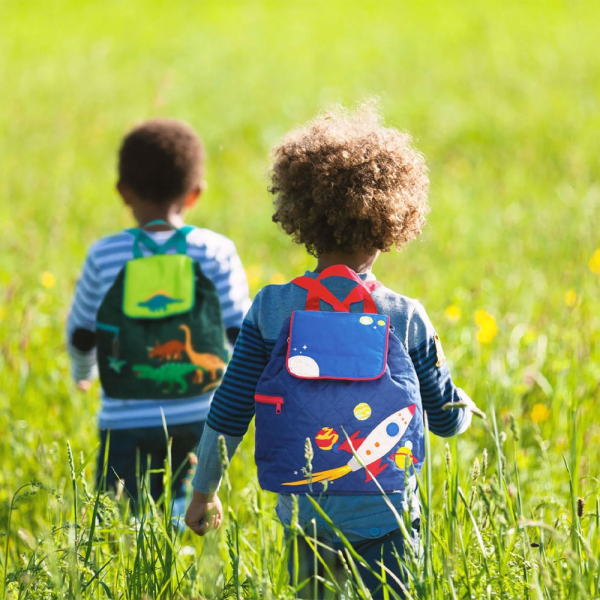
x,y
435,381
230,414
232,287
81,324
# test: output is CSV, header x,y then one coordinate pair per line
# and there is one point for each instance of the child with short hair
x,y
159,351
354,384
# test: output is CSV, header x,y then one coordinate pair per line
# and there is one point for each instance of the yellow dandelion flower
x,y
594,262
540,413
571,298
254,276
278,278
487,326
453,313
48,280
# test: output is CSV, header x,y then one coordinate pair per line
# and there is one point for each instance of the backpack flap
x,y
336,345
158,286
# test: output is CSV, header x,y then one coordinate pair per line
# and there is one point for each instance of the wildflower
x,y
594,262
48,280
487,326
540,413
453,313
278,278
254,275
571,298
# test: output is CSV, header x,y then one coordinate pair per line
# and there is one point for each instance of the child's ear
x,y
124,192
192,198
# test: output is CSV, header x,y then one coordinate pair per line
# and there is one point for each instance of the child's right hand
x,y
204,513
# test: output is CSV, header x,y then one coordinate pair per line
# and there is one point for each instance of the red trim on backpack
x,y
317,291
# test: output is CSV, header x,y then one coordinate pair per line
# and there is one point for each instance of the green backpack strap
x,y
177,240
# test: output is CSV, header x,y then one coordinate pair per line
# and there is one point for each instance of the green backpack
x,y
159,329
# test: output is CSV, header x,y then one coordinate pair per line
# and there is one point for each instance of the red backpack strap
x,y
317,291
372,285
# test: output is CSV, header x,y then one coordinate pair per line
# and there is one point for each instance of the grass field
x,y
502,97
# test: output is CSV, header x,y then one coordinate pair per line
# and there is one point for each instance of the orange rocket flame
x,y
329,475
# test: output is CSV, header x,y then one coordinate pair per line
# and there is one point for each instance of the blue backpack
x,y
345,382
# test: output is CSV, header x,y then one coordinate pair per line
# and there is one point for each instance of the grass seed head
x,y
476,470
223,457
580,507
448,458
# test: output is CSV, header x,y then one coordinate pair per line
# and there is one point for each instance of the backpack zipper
x,y
277,400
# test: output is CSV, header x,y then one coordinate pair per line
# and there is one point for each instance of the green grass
x,y
502,97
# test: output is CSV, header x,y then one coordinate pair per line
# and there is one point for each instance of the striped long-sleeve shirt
x,y
233,405
218,260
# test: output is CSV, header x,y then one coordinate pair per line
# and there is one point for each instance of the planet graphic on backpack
x,y
404,457
303,366
362,411
326,438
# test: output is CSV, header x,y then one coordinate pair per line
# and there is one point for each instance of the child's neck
x,y
360,262
173,218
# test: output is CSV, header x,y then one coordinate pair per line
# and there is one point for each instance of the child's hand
x,y
84,385
204,513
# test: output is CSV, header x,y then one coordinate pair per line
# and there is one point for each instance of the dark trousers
x,y
127,444
371,550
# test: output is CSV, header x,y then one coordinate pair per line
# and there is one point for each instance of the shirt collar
x,y
368,276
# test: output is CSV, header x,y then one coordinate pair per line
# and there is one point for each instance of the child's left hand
x,y
204,513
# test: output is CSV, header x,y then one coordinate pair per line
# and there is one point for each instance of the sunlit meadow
x,y
503,99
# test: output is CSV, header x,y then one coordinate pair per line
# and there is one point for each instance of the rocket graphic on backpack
x,y
159,329
343,380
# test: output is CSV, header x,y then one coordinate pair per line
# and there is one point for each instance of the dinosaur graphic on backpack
x,y
169,373
171,350
159,301
141,353
208,362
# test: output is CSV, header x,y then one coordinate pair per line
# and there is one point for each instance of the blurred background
x,y
501,97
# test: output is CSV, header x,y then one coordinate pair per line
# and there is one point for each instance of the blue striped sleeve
x,y
435,382
232,407
83,312
232,286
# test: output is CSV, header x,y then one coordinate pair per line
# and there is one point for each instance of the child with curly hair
x,y
348,188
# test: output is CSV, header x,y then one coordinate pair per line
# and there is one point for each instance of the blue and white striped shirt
x,y
218,260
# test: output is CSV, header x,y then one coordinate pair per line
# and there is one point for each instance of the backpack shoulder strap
x,y
177,240
317,291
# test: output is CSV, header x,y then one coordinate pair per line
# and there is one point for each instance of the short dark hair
x,y
161,160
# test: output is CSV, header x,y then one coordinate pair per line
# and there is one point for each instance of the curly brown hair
x,y
345,182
